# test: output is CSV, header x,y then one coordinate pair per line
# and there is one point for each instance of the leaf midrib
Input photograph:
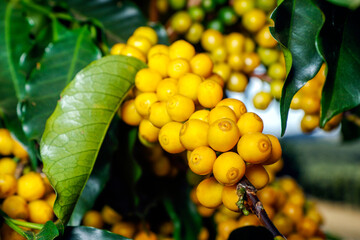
x,y
75,56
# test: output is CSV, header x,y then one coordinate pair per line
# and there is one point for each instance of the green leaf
x,y
119,19
61,61
339,45
297,23
352,4
75,131
99,176
81,233
48,232
250,233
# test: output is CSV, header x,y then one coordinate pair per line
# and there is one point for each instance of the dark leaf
x,y
75,131
297,23
251,233
352,4
89,233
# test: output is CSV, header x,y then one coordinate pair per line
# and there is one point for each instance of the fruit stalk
x,y
252,202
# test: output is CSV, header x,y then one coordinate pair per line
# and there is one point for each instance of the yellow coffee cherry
x,y
249,45
7,185
181,22
237,82
126,229
257,175
251,61
235,61
275,167
249,220
243,6
159,62
158,115
209,88
309,122
217,78
254,147
129,114
201,160
146,80
204,234
219,54
201,65
234,43
250,122
194,133
194,33
188,85
226,227
19,150
310,104
117,48
109,215
276,151
7,166
148,33
268,55
133,52
181,49
211,39
145,235
202,115
262,100
276,87
223,135
92,218
220,112
6,142
230,198
209,192
277,71
296,101
204,211
141,43
333,122
178,67
50,199
40,211
223,70
166,89
16,207
254,20
283,223
159,48
264,38
144,101
229,168
31,186
148,131
236,105
180,107
169,137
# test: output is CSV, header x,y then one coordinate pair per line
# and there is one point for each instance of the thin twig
x,y
254,204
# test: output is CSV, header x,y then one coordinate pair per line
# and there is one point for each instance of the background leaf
x,y
250,233
352,4
62,60
48,232
81,233
339,45
75,131
119,19
297,23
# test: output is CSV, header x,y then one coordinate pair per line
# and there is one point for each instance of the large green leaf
x,y
48,232
339,45
119,19
62,60
297,24
81,233
75,131
99,176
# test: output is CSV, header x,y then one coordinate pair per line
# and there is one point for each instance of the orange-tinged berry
x,y
310,104
31,186
7,166
205,211
158,116
126,229
249,220
309,122
293,211
19,150
283,223
250,122
265,39
181,49
129,114
147,80
267,195
223,70
109,215
254,147
217,78
201,160
40,211
8,185
307,227
201,65
230,198
148,131
145,235
194,133
251,61
236,105
235,61
209,192
169,137
257,175
226,227
50,199
223,135
92,218
209,88
229,168
276,150
180,107
16,207
234,42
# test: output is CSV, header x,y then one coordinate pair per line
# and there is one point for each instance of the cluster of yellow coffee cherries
x,y
308,99
25,195
179,103
110,219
